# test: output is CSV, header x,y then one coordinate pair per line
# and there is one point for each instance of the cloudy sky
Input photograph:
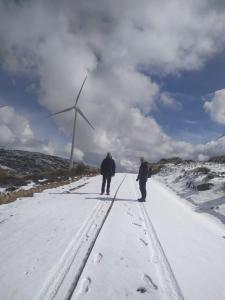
x,y
155,84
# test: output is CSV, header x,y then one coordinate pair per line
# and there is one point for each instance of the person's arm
x,y
145,171
113,168
138,177
102,166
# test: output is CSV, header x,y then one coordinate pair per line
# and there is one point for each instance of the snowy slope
x,y
183,180
72,243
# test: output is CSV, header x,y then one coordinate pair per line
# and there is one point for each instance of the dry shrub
x,y
201,170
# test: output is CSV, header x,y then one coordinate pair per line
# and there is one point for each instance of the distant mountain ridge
x,y
178,160
25,162
218,159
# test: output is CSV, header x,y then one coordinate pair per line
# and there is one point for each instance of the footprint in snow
x,y
130,214
141,290
98,257
148,280
149,286
84,285
143,242
155,259
137,224
3,221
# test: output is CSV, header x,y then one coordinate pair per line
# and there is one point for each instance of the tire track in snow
x,y
59,272
76,280
63,278
166,273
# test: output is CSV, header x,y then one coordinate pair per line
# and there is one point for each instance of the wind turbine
x,y
219,137
77,110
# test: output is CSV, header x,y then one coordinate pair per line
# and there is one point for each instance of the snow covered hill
x,y
72,243
201,184
26,162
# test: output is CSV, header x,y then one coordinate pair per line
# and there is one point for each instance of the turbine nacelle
x,y
78,110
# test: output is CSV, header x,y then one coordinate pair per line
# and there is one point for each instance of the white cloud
x,y
166,100
6,136
16,127
115,42
202,157
216,107
78,154
16,132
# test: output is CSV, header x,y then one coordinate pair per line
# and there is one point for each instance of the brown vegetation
x,y
201,170
53,179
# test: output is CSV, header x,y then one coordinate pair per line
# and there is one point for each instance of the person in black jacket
x,y
143,175
108,168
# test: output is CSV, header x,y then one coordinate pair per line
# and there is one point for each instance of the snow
x,y
194,244
29,186
42,180
5,167
72,243
2,190
211,201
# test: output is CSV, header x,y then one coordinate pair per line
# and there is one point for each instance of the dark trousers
x,y
104,179
142,186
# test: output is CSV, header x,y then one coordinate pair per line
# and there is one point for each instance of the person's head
x,y
142,159
108,155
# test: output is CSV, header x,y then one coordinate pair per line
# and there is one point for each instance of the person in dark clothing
x,y
108,169
143,175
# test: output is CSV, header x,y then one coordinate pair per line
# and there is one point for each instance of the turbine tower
x,y
77,110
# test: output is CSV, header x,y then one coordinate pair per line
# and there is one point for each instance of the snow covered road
x,y
194,244
72,243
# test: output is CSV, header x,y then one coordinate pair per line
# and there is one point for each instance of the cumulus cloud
x,y
14,127
78,154
16,132
167,101
117,44
216,106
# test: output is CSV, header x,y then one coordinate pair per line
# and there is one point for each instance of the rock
x,y
190,185
211,176
11,188
201,170
204,186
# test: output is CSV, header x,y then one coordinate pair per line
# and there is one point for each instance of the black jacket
x,y
143,173
108,167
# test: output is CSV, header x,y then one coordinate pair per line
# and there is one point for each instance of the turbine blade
x,y
80,90
62,111
220,137
83,116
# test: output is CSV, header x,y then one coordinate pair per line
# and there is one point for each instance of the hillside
x,y
25,162
28,170
199,184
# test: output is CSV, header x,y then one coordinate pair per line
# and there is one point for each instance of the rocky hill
x,y
28,169
218,159
24,162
